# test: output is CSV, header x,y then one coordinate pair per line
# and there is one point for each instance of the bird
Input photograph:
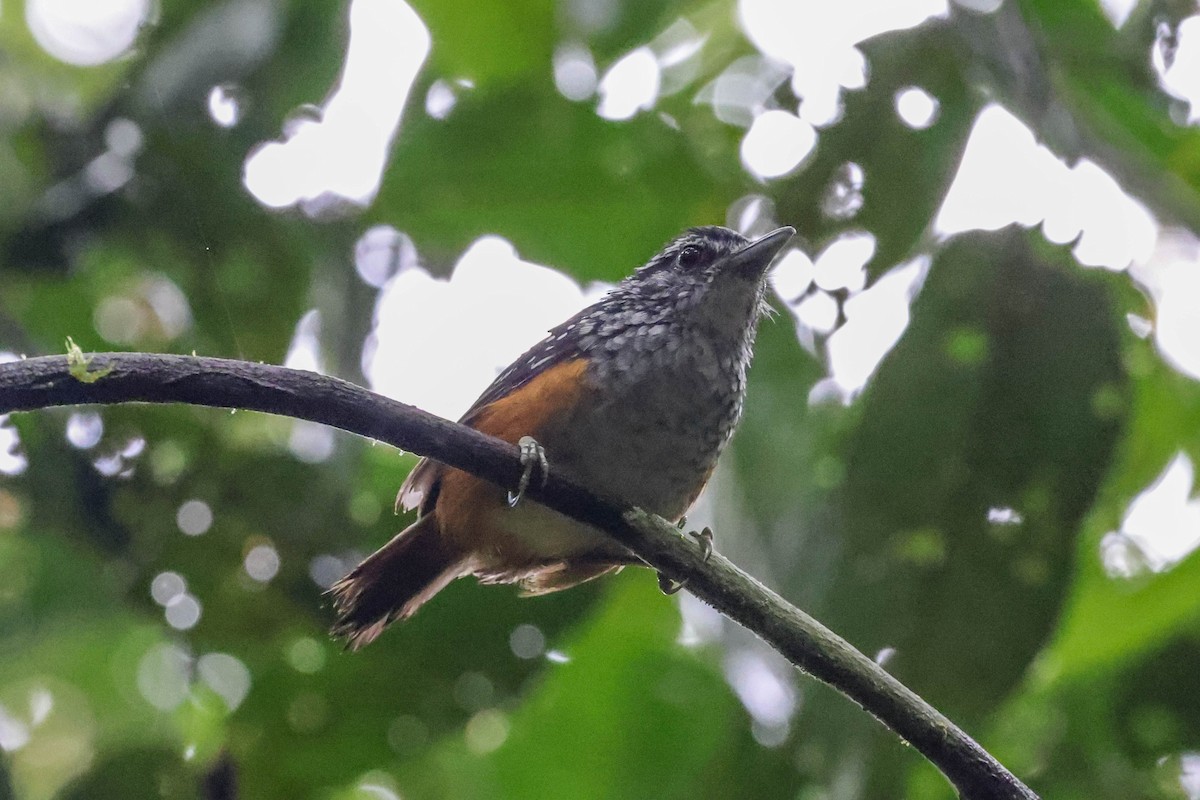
x,y
634,397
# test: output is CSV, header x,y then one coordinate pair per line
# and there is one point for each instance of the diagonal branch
x,y
136,377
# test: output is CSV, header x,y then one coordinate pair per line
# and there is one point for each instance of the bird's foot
x,y
533,456
704,538
669,586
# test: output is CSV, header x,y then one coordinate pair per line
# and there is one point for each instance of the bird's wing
x,y
419,489
561,344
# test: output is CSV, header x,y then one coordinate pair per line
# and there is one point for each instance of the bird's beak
x,y
753,259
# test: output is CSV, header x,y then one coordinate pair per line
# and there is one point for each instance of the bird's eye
x,y
689,256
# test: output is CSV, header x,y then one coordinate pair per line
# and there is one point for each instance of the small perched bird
x,y
633,397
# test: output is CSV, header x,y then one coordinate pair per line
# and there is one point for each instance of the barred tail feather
x,y
393,582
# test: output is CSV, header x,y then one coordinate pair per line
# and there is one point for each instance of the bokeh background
x,y
969,445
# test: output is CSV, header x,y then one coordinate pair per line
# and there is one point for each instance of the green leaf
x,y
551,176
1117,115
1111,619
629,714
490,42
906,172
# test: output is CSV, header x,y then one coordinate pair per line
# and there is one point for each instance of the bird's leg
x,y
704,538
533,456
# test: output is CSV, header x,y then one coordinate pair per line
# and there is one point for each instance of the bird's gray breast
x,y
663,402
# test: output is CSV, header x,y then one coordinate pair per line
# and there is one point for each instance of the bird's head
x,y
714,276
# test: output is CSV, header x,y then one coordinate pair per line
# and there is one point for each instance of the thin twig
x,y
135,377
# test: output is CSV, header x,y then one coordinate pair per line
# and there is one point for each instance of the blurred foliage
x,y
1018,385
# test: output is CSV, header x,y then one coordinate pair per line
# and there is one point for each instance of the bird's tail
x,y
393,582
